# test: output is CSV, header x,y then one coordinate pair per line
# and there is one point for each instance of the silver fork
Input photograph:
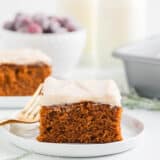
x,y
29,114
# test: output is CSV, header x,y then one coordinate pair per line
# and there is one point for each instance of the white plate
x,y
131,128
12,102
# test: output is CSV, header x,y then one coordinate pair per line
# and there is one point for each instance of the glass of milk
x,y
109,24
119,22
85,12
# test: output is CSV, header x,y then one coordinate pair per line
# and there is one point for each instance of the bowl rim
x,y
14,33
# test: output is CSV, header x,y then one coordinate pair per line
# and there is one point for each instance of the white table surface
x,y
148,149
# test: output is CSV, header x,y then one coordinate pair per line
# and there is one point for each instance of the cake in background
x,y
86,111
21,71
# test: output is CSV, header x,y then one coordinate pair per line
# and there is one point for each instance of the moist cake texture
x,y
80,112
21,71
84,122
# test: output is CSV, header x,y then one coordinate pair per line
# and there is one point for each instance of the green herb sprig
x,y
134,101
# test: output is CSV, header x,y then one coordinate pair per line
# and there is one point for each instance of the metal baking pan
x,y
142,66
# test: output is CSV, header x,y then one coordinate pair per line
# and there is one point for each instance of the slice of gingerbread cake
x,y
21,71
80,111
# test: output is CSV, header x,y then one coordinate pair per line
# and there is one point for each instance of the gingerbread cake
x,y
80,111
21,71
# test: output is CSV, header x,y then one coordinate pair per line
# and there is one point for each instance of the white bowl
x,y
64,48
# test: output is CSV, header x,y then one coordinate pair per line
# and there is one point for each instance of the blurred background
x,y
109,24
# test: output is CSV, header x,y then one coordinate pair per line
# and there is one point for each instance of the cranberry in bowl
x,y
61,38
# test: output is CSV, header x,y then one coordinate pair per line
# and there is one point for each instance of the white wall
x,y
9,7
153,17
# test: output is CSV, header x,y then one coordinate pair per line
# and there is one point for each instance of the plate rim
x,y
76,145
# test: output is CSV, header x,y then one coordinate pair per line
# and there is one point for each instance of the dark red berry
x,y
40,23
8,25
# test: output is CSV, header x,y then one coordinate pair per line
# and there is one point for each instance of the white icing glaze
x,y
23,56
69,91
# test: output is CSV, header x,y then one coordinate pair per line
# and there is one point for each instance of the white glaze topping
x,y
72,91
23,56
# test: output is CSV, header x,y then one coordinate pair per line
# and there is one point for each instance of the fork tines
x,y
31,110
